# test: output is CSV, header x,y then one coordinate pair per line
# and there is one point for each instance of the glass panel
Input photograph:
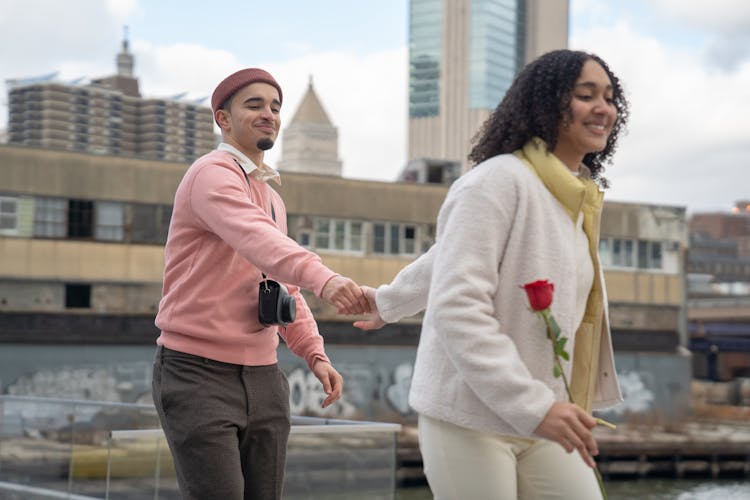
x,y
378,244
340,235
50,216
656,252
394,243
166,216
7,222
322,232
493,37
57,448
80,214
410,235
7,206
643,254
425,53
604,255
144,223
8,210
53,447
355,242
331,459
629,257
616,252
109,221
140,466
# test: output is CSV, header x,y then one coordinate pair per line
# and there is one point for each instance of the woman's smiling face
x,y
590,118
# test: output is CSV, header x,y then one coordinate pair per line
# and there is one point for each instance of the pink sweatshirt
x,y
220,238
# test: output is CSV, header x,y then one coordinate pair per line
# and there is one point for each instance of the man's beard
x,y
264,144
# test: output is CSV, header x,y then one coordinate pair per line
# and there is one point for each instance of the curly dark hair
x,y
536,103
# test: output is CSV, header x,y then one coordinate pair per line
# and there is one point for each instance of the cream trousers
x,y
465,464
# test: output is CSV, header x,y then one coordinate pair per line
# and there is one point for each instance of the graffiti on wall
x,y
306,396
376,384
121,382
369,391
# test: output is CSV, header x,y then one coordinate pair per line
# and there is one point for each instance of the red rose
x,y
540,294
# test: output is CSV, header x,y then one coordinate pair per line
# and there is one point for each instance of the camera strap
x,y
273,212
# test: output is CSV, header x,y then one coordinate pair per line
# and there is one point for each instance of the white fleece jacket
x,y
484,361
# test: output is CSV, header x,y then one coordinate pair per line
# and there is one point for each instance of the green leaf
x,y
560,345
557,371
565,355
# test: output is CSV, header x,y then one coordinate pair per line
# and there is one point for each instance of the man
x,y
221,398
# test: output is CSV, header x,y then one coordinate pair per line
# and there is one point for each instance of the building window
x,y
148,223
656,253
50,217
80,218
109,221
631,254
650,254
143,223
8,215
77,296
378,240
617,259
338,234
425,55
322,233
604,255
494,41
394,239
643,254
628,256
165,216
304,238
409,239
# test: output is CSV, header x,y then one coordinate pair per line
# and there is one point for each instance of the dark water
x,y
645,489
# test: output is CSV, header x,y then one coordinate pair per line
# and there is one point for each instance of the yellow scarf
x,y
576,194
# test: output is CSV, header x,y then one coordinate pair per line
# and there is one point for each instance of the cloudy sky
x,y
685,65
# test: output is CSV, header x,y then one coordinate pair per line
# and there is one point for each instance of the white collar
x,y
263,173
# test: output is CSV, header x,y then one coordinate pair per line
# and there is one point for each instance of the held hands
x,y
332,381
345,295
570,426
374,321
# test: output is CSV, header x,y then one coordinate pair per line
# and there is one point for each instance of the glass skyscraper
x,y
495,49
463,56
425,39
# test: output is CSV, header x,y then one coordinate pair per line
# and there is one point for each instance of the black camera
x,y
275,305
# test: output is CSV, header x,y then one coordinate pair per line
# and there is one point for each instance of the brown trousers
x,y
227,425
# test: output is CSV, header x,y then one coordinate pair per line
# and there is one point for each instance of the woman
x,y
493,420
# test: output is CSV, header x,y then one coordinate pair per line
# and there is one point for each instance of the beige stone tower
x,y
463,56
310,143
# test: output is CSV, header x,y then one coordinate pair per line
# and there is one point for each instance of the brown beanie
x,y
238,80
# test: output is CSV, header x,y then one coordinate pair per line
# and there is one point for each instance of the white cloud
x,y
37,35
727,26
689,137
123,9
171,69
365,98
732,15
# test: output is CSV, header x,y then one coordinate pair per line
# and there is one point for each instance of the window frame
x,y
11,217
338,234
400,231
